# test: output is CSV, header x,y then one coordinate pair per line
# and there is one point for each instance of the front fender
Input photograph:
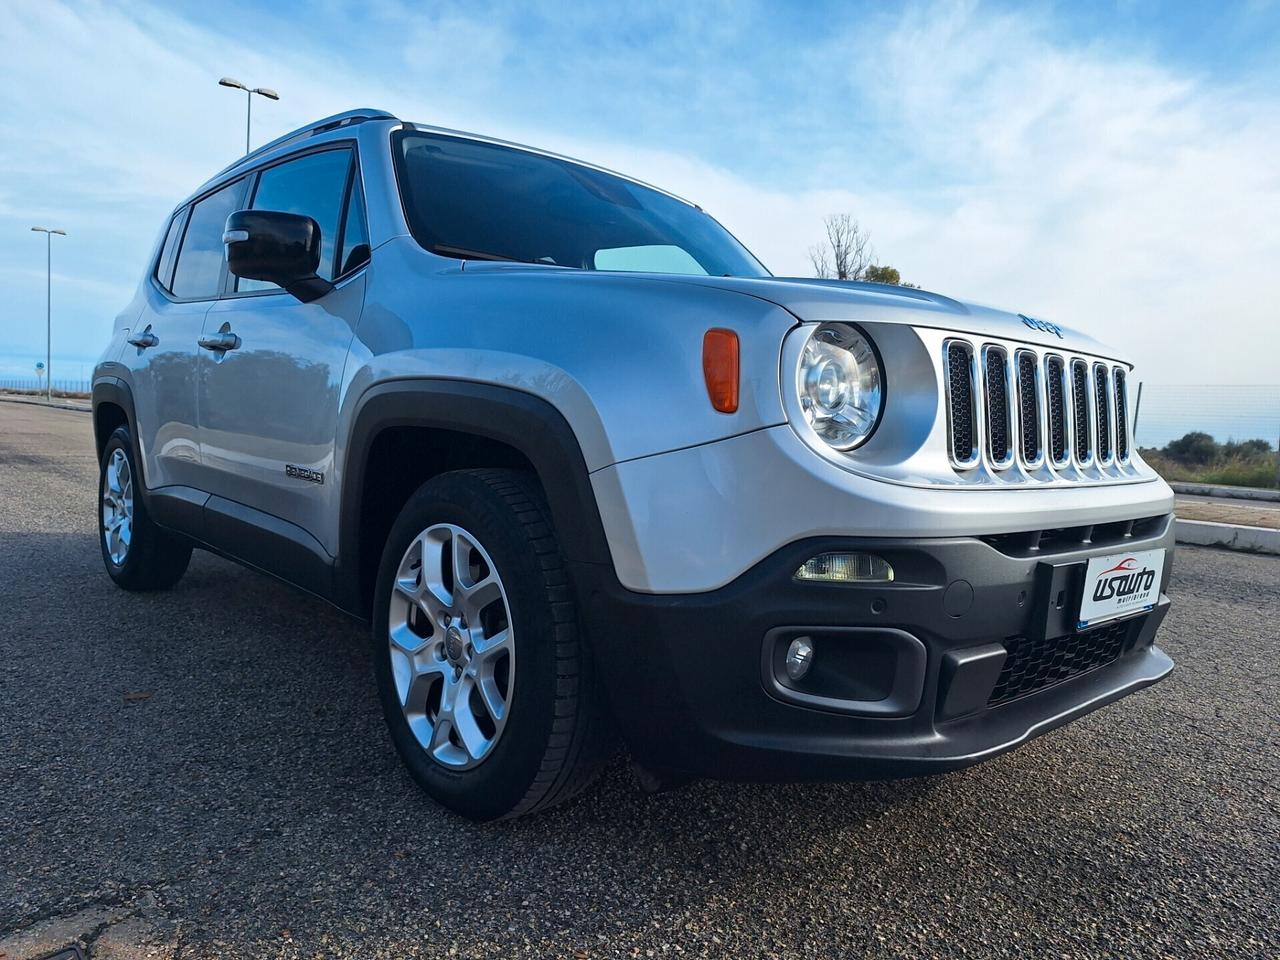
x,y
526,423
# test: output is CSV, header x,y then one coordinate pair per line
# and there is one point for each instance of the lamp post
x,y
249,92
48,307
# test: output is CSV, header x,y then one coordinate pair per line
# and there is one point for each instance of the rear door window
x,y
202,259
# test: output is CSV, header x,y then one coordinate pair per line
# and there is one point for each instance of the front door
x,y
268,401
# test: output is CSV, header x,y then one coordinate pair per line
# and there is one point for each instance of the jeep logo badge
x,y
1042,325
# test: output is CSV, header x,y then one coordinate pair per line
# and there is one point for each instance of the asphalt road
x,y
204,774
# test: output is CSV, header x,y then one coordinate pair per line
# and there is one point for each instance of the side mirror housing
x,y
280,248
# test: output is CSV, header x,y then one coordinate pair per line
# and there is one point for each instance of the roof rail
x,y
345,119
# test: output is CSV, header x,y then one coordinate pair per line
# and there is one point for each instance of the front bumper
x,y
693,687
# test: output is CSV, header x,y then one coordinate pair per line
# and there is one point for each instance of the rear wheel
x,y
138,555
486,685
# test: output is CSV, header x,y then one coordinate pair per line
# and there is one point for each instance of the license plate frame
x,y
1120,585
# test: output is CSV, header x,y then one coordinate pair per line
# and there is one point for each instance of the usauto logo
x,y
1124,580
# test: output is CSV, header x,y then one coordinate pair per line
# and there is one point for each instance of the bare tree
x,y
847,253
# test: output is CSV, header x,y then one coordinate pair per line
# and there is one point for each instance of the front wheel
x,y
485,682
138,554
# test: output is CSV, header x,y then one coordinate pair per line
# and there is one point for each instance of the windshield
x,y
482,201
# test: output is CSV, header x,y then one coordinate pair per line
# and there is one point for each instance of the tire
x,y
139,556
549,739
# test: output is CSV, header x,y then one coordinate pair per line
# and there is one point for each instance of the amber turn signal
x,y
720,368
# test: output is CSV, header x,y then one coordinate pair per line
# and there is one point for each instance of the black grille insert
x,y
998,443
1033,665
1055,381
1080,407
1028,407
1101,396
1122,416
960,402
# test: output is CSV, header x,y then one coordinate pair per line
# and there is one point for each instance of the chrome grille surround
x,y
1103,414
1066,415
1032,403
1081,415
997,406
1121,400
960,366
1059,427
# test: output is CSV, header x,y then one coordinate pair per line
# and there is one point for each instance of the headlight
x,y
841,386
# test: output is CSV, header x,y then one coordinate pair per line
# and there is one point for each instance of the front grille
x,y
1101,395
1122,415
1028,415
1028,407
1080,408
998,445
1055,378
1033,665
964,449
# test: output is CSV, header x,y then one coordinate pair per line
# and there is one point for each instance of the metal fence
x,y
37,385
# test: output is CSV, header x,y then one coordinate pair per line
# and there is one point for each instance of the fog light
x,y
846,568
799,658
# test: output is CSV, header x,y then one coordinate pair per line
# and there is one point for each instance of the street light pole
x,y
48,307
248,93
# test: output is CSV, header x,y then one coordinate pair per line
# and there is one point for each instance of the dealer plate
x,y
1120,584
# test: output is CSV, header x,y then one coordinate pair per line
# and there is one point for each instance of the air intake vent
x,y
1080,409
1056,380
960,402
1102,400
1122,415
1028,407
996,370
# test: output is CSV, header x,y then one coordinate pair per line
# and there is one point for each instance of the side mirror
x,y
281,248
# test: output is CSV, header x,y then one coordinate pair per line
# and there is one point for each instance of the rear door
x,y
268,408
187,278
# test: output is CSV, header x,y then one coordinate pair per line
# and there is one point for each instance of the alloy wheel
x,y
452,646
117,507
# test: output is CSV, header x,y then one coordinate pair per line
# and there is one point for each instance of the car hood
x,y
818,300
812,300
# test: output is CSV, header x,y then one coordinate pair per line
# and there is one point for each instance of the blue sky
x,y
1110,166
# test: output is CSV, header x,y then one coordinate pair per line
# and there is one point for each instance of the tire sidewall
x,y
497,784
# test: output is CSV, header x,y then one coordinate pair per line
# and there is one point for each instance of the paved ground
x,y
1250,513
204,774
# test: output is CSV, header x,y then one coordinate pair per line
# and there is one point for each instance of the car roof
x,y
333,127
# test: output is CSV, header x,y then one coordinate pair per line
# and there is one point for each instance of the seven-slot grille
x,y
1041,409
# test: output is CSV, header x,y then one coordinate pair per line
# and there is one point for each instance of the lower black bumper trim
x,y
684,673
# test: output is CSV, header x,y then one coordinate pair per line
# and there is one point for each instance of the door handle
x,y
220,342
144,339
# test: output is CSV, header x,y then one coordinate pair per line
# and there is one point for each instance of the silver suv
x,y
590,470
